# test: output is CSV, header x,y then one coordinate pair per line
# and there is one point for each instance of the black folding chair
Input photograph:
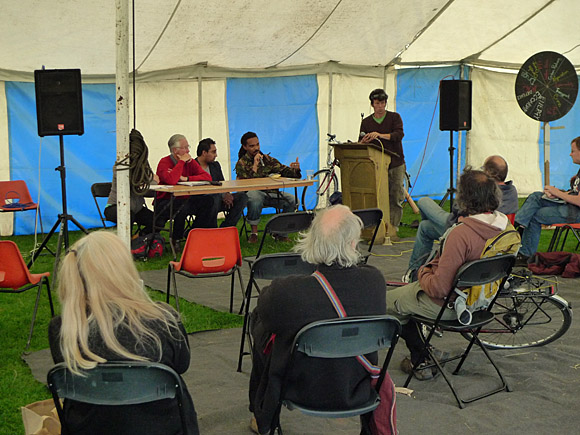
x,y
116,384
371,218
101,190
277,199
284,223
340,338
269,267
475,273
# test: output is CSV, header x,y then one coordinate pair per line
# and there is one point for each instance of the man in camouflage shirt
x,y
253,163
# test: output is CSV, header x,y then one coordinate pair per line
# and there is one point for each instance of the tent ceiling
x,y
261,35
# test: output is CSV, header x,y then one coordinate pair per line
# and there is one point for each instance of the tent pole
x,y
122,102
329,130
199,108
546,127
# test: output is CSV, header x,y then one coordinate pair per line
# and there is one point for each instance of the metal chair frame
x,y
478,272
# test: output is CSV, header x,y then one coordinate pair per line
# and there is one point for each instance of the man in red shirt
x,y
176,167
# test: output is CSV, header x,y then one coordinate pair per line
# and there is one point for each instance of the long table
x,y
233,186
226,186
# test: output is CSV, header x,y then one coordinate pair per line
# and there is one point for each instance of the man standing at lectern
x,y
386,129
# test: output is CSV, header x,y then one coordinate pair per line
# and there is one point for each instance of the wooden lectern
x,y
364,175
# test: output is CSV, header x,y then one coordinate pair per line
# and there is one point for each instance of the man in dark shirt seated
x,y
290,303
232,203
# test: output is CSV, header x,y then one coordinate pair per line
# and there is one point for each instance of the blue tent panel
x,y
88,158
281,111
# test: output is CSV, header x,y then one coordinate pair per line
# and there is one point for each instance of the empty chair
x,y
16,278
14,197
208,252
268,267
371,218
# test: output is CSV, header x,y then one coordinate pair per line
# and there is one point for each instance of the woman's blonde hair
x,y
100,290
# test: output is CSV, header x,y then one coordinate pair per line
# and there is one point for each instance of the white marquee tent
x,y
200,66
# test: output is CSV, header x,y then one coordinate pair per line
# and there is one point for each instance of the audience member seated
x,y
140,214
435,221
478,198
108,316
552,206
176,167
253,163
233,204
288,304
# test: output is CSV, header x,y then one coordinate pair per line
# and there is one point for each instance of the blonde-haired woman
x,y
106,315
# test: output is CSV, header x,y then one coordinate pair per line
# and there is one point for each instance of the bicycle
x,y
528,313
325,181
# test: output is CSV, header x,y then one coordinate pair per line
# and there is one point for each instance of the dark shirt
x,y
160,417
393,125
284,307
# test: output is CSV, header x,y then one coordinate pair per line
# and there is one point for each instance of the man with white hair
x,y
288,304
176,167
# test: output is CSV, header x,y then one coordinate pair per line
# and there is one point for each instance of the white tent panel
x,y
215,123
552,29
167,108
500,127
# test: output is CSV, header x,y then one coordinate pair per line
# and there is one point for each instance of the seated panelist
x,y
253,163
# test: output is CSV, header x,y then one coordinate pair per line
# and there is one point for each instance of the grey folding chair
x,y
474,273
116,384
268,267
341,338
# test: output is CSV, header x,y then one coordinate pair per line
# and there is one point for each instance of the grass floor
x,y
18,387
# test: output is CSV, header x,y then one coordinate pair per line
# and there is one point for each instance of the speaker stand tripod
x,y
62,220
451,191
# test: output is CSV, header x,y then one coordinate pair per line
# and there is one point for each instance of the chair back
x,y
348,336
13,271
287,223
101,190
273,266
211,250
14,190
484,271
370,217
116,384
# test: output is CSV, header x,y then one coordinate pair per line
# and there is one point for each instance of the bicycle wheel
x,y
318,195
525,321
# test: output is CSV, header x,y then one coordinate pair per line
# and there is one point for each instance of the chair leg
x,y
49,296
232,291
241,289
34,316
169,274
245,324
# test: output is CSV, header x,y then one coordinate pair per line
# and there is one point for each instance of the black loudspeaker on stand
x,y
59,111
454,115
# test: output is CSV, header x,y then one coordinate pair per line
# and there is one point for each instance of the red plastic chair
x,y
511,217
14,196
208,252
16,278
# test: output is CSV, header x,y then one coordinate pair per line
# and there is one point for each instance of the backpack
x,y
148,246
479,297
